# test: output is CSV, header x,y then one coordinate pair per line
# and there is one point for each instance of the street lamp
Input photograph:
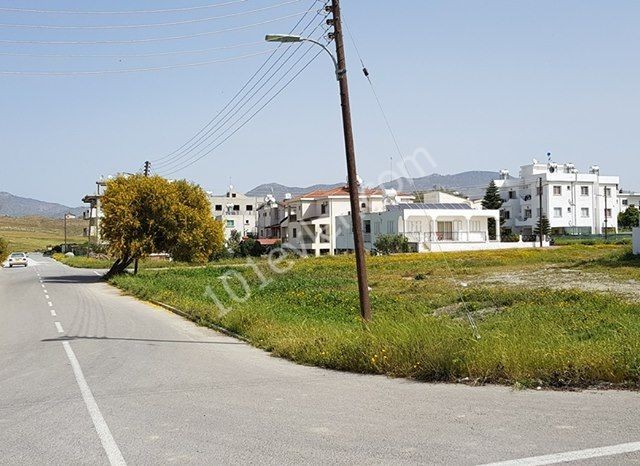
x,y
339,61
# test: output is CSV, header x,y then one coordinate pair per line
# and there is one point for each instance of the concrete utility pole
x,y
66,247
540,213
354,193
147,169
606,217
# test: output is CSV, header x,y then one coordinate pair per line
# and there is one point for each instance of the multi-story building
x,y
309,221
628,199
270,215
94,213
236,211
574,202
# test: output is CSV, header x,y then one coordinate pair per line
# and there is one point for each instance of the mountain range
x,y
16,206
472,184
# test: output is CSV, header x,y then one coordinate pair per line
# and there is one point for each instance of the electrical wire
x,y
129,12
130,70
241,103
150,25
135,55
195,156
150,39
287,84
239,93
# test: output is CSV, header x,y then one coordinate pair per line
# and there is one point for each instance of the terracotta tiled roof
x,y
339,191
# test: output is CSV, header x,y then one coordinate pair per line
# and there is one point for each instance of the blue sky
x,y
481,85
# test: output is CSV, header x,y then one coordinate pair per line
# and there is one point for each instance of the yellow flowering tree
x,y
145,215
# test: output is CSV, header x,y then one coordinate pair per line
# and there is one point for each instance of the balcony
x,y
448,237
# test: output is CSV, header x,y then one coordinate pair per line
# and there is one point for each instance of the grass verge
x,y
530,337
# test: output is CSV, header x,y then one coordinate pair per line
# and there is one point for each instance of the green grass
x,y
30,234
531,337
84,262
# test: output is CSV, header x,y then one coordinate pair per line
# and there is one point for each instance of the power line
x,y
235,109
150,39
130,70
129,12
149,25
134,55
287,84
242,89
222,130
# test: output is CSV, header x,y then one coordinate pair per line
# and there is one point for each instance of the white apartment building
x,y
574,202
309,221
236,211
628,199
270,215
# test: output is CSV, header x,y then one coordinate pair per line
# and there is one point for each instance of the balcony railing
x,y
448,236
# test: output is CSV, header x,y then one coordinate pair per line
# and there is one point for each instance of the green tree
x,y
145,215
492,201
630,218
544,226
4,249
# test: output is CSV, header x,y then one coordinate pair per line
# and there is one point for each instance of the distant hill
x,y
15,206
472,184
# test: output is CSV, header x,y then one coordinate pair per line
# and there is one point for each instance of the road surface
x,y
88,376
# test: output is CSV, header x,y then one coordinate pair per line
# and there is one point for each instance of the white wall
x,y
636,241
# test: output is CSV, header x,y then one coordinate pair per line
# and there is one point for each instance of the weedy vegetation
x,y
421,330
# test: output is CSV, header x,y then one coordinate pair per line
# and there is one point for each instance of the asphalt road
x,y
88,376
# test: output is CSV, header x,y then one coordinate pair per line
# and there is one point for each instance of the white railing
x,y
450,236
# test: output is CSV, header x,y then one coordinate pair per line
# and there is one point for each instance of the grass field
x,y
531,332
30,234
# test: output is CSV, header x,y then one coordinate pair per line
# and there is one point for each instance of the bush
x,y
392,244
251,248
510,238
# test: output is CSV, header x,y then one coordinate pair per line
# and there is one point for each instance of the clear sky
x,y
481,85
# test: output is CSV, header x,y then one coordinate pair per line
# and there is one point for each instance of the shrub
x,y
392,244
4,248
510,238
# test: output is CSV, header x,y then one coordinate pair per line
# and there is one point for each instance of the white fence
x,y
636,241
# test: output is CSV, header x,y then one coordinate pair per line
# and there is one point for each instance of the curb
x,y
215,327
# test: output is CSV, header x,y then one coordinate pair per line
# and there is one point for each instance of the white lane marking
x,y
46,296
50,304
42,285
53,313
108,443
573,455
59,327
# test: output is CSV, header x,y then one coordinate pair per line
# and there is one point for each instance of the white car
x,y
18,258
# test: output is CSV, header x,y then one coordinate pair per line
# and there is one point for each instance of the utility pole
x,y
354,193
606,217
66,247
540,213
147,169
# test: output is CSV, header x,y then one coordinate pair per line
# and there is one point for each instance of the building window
x,y
249,208
506,214
585,212
233,195
246,222
557,212
231,223
218,207
584,190
512,194
625,202
527,214
236,208
367,226
557,190
294,232
363,205
607,192
608,213
323,209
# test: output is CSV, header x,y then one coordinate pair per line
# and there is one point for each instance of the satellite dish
x,y
287,196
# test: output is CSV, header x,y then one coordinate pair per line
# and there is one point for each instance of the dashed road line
x,y
59,327
46,296
571,456
108,443
50,304
53,313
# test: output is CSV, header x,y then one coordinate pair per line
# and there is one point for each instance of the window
x,y
584,190
557,190
233,195
527,214
323,209
607,192
246,222
367,226
557,212
608,213
363,205
236,208
512,194
585,212
231,223
218,207
625,202
249,208
294,232
506,214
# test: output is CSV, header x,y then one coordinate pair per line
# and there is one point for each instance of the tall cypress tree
x,y
492,201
